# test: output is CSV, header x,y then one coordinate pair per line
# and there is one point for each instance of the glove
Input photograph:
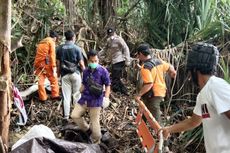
x,y
127,63
55,71
105,102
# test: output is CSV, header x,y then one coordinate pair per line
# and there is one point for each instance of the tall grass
x,y
225,69
169,21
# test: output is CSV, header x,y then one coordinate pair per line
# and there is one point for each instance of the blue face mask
x,y
93,65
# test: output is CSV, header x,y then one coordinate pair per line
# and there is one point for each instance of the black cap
x,y
144,49
110,30
53,34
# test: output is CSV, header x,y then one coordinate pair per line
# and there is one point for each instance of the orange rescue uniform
x,y
156,76
45,62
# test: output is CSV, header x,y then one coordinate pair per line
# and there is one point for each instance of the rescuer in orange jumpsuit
x,y
45,66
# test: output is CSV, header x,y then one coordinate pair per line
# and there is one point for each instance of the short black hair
x,y
69,35
91,53
53,34
144,49
203,57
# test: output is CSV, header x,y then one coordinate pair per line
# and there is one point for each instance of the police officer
x,y
117,51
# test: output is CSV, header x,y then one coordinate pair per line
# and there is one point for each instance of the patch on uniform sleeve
x,y
204,109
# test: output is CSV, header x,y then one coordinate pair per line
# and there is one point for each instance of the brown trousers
x,y
94,114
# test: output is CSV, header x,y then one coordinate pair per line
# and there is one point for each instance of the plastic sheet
x,y
45,145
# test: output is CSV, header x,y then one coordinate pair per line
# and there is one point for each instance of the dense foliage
x,y
32,19
172,22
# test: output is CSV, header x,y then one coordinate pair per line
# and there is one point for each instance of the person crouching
x,y
93,96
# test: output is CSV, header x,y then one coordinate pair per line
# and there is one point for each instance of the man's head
x,y
111,31
53,35
69,35
143,52
92,59
203,58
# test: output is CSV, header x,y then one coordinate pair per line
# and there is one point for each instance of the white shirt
x,y
212,101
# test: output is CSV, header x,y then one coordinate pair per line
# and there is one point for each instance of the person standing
x,y
117,51
45,67
95,78
212,107
153,72
69,59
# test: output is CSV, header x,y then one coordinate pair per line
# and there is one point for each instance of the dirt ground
x,y
118,121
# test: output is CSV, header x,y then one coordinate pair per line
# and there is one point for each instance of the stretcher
x,y
148,130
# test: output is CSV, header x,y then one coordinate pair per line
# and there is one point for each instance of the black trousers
x,y
117,71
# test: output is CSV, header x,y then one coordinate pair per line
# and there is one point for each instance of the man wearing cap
x,y
118,52
45,66
212,107
153,72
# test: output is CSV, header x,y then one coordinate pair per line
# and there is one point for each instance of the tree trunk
x,y
107,10
70,11
5,73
